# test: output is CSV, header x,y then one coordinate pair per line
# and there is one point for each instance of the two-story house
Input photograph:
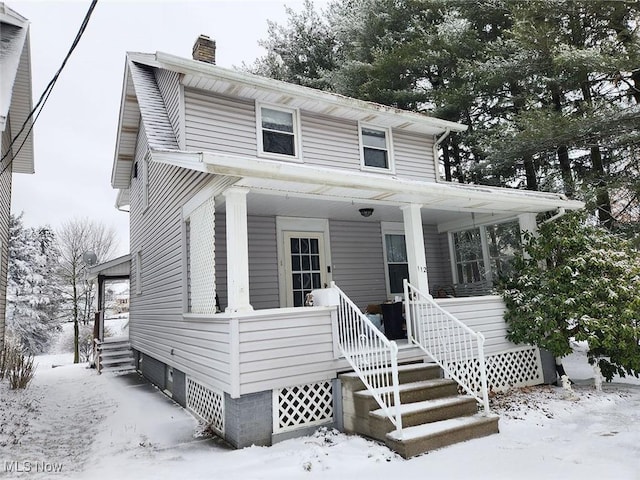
x,y
246,194
16,144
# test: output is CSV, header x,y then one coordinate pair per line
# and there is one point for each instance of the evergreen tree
x,y
33,295
548,88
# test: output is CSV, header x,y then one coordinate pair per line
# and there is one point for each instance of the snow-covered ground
x,y
114,427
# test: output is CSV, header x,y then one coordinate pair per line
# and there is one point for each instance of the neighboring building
x,y
15,108
248,193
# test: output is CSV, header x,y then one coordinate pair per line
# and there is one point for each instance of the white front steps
x,y
114,355
434,415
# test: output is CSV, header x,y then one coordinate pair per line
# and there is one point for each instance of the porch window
x,y
277,129
469,258
396,262
375,148
503,241
485,252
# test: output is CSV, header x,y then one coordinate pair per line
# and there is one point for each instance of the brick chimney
x,y
204,50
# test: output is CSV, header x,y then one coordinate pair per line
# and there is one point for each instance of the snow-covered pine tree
x,y
32,301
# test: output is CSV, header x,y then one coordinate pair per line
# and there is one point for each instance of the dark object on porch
x,y
474,289
392,319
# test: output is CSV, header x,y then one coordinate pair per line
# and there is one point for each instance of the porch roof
x,y
282,180
117,268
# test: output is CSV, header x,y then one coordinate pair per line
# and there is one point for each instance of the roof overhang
x,y
206,76
15,86
293,179
117,268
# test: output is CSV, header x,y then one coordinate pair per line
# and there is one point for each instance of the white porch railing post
x,y
408,314
483,374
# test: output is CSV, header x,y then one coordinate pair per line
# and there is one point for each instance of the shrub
x,y
16,365
577,280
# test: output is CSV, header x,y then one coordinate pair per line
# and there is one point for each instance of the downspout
x,y
436,144
561,213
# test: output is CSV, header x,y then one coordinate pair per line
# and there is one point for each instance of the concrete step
x,y
418,413
407,373
409,393
431,436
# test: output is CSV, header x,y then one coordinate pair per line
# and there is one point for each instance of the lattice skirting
x,y
206,403
302,406
519,367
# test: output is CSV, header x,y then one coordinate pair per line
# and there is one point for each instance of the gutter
x,y
436,144
561,213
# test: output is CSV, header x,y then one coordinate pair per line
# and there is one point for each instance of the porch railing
x,y
456,348
371,355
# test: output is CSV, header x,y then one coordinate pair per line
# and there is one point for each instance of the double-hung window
x,y
375,148
485,252
277,131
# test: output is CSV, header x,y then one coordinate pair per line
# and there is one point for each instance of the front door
x,y
305,265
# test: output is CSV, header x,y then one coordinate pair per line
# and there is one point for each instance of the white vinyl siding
x,y
413,156
330,141
218,123
169,86
5,208
358,266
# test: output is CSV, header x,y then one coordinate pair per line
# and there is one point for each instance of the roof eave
x,y
230,165
185,65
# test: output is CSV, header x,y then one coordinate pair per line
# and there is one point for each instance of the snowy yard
x,y
116,427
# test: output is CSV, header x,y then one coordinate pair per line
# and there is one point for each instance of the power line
x,y
37,109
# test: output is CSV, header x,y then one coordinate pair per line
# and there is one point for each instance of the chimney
x,y
204,50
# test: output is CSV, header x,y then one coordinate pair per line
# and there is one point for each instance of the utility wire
x,y
37,109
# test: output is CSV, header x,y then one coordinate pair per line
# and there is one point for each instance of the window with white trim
x,y
277,131
396,262
485,252
375,148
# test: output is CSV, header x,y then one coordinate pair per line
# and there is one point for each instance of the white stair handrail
x,y
370,354
450,343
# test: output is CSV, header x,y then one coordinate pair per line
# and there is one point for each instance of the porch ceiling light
x,y
366,212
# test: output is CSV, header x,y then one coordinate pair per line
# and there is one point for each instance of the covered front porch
x,y
288,229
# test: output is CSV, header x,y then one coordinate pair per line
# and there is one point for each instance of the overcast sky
x,y
75,134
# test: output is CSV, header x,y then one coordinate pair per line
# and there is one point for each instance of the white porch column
x,y
414,238
528,224
237,250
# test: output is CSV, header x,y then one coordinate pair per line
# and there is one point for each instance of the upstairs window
x,y
375,148
278,132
